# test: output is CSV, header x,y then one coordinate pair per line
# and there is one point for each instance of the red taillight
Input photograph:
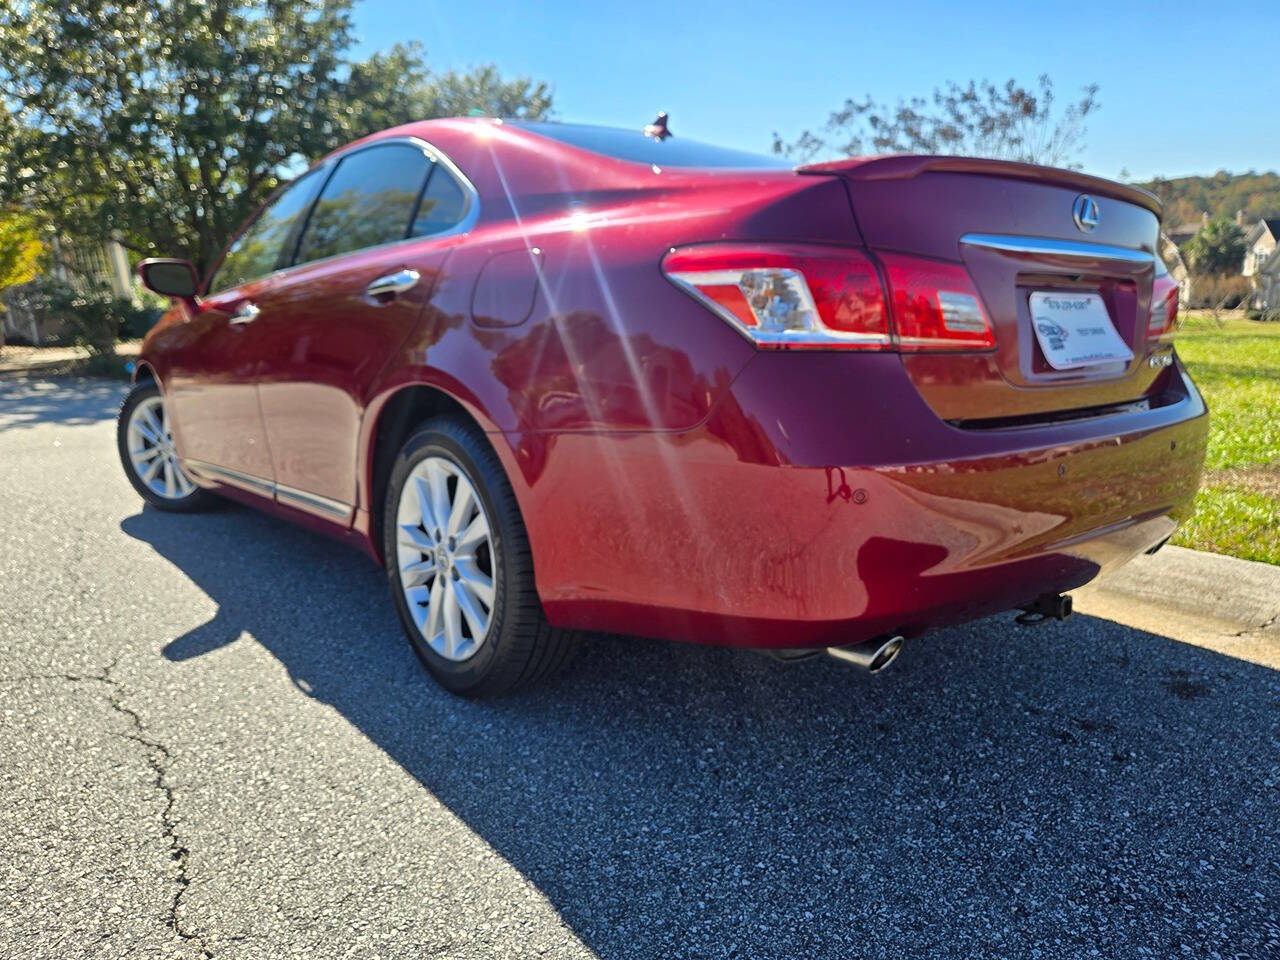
x,y
935,305
1163,320
788,295
802,296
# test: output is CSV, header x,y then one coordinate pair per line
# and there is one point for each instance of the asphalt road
x,y
215,742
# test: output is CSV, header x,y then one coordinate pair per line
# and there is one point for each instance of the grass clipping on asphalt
x,y
1237,367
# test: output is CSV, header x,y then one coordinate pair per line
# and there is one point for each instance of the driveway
x,y
214,741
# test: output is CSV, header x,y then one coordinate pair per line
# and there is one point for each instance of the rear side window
x,y
368,201
257,251
633,145
445,204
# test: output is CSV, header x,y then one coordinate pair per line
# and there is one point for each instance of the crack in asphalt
x,y
158,759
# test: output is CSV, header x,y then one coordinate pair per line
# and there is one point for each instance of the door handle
x,y
246,313
393,283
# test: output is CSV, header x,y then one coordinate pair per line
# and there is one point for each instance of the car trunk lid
x,y
1019,229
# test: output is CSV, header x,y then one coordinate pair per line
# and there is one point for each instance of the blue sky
x,y
732,73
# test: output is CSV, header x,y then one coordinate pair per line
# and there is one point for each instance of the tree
x,y
1217,249
482,90
1186,198
20,248
396,86
1009,122
20,251
167,122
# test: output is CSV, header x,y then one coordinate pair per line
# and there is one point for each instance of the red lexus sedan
x,y
563,378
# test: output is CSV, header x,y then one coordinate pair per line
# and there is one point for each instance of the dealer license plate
x,y
1074,330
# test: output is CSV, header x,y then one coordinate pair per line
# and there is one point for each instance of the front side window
x,y
256,252
368,201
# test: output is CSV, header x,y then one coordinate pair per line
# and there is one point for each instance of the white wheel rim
x,y
444,549
151,451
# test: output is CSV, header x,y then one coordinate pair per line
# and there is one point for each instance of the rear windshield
x,y
633,145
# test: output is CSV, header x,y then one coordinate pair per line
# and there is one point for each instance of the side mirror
x,y
169,278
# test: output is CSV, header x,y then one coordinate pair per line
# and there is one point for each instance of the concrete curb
x,y
1223,603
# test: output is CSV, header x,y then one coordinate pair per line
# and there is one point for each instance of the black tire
x,y
520,647
197,499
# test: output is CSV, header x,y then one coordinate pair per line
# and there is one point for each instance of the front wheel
x,y
460,566
148,455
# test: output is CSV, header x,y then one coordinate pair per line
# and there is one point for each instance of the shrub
x,y
93,320
1219,291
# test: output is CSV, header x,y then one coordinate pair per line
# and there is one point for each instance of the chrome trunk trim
x,y
1048,247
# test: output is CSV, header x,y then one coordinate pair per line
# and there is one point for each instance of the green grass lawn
x,y
1237,367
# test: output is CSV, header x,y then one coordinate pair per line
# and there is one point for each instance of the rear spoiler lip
x,y
904,166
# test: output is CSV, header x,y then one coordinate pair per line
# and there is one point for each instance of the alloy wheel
x,y
152,453
444,549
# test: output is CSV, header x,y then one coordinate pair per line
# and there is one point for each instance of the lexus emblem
x,y
1085,212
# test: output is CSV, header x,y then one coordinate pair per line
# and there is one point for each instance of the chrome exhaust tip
x,y
871,655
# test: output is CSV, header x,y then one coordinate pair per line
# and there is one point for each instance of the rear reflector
x,y
1163,321
798,296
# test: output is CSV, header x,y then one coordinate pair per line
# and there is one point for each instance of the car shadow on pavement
x,y
27,401
1001,791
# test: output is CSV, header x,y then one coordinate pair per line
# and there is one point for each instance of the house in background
x,y
1262,264
1180,233
1260,242
1266,285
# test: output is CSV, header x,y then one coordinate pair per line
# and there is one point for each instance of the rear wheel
x,y
148,455
460,567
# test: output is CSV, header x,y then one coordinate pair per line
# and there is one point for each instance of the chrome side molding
x,y
1049,247
290,496
233,477
313,501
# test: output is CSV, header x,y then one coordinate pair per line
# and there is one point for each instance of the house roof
x,y
1270,225
1181,232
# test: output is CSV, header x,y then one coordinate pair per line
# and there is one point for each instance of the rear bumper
x,y
823,503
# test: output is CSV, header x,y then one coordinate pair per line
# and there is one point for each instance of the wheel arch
x,y
143,371
389,421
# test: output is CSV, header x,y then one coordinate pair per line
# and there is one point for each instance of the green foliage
x,y
20,247
483,91
395,86
167,122
1221,195
1217,249
1009,122
1239,523
386,90
1236,364
95,321
1237,367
